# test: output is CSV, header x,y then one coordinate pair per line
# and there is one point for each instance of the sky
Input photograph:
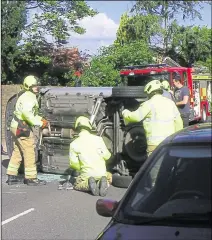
x,y
101,29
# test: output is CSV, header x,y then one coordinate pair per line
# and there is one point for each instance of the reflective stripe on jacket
x,y
26,109
88,154
160,116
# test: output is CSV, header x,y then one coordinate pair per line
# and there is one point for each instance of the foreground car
x,y
170,197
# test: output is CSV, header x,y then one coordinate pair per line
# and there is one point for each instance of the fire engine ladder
x,y
170,62
144,66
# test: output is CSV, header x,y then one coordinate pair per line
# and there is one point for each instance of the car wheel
x,y
129,91
135,144
121,181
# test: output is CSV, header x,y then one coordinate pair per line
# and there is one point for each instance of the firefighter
x,y
88,154
24,118
160,116
167,91
182,95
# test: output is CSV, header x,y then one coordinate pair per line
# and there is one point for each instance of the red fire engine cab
x,y
199,85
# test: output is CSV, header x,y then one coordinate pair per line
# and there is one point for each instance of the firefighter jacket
x,y
160,117
26,109
168,95
88,154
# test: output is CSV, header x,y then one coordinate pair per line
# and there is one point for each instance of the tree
x,y
198,43
13,20
190,45
105,66
50,29
167,12
58,19
100,73
136,28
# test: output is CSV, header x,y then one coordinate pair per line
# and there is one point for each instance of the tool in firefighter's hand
x,y
41,137
45,123
121,108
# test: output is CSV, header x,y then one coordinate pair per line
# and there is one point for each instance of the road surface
x,y
47,213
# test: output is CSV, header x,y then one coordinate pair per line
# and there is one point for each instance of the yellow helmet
x,y
83,122
152,86
165,85
30,81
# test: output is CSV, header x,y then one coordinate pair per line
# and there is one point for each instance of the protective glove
x,y
125,114
121,108
45,123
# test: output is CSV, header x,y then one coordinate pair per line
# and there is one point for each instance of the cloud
x,y
98,27
100,31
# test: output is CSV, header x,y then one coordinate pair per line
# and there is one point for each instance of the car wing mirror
x,y
106,207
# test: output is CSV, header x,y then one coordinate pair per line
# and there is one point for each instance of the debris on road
x,y
66,186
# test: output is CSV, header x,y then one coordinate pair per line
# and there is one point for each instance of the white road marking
x,y
17,216
14,192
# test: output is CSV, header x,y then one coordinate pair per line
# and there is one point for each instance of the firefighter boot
x,y
103,186
93,186
12,180
34,182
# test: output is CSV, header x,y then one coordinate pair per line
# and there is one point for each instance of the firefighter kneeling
x,y
87,155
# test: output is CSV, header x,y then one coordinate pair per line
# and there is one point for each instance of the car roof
x,y
199,133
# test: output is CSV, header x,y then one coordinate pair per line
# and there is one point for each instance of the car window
x,y
178,180
143,79
148,184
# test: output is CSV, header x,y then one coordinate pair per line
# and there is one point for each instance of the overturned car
x,y
103,105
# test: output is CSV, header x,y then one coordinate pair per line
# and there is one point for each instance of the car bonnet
x,y
126,232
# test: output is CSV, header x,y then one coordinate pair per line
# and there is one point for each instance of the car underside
x,y
103,105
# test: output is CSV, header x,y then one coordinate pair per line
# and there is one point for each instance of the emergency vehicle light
x,y
131,74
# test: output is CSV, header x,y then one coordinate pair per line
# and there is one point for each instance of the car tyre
x,y
129,91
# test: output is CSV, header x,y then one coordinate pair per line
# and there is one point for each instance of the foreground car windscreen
x,y
177,185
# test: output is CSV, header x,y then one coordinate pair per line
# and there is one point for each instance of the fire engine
x,y
199,84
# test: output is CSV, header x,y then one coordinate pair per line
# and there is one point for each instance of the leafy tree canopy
x,y
33,55
13,20
135,28
58,19
167,11
105,67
